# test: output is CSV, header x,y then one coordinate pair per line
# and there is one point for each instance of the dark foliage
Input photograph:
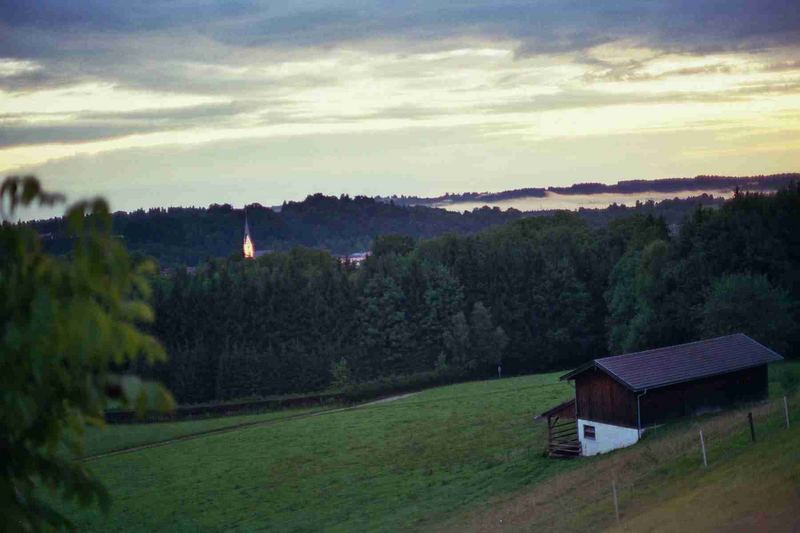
x,y
344,225
68,323
535,294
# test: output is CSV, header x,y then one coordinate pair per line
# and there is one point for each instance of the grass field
x,y
121,436
457,457
381,467
662,484
757,489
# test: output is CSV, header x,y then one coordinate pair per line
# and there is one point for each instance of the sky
x,y
163,103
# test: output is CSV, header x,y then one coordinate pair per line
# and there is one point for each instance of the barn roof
x,y
685,362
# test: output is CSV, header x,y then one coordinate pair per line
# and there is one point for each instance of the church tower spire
x,y
248,249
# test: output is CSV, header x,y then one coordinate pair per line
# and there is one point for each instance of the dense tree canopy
x,y
344,225
746,303
536,294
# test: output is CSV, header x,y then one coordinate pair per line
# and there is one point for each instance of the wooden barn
x,y
617,397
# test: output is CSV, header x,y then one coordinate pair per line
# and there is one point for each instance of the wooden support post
x,y
786,411
703,448
752,426
616,503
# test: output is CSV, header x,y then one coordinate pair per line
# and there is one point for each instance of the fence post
x,y
703,448
616,503
786,411
752,426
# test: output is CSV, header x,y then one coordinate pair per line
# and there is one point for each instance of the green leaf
x,y
131,389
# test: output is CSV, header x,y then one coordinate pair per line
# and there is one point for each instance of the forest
x,y
342,225
532,295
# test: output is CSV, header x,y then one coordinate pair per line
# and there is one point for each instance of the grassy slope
x,y
382,467
662,485
757,490
119,436
747,487
467,454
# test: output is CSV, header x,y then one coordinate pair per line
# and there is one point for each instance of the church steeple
x,y
248,249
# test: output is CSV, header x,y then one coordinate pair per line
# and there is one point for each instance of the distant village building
x,y
355,259
171,271
617,397
248,248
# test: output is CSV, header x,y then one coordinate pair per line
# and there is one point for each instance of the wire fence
x,y
602,493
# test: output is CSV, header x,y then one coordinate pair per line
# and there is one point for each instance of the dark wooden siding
x,y
601,398
563,410
693,397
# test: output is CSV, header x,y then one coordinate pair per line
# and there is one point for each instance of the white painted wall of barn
x,y
607,437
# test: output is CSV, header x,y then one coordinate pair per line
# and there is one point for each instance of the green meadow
x,y
119,437
456,457
662,485
379,467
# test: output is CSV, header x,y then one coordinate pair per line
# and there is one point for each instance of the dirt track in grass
x,y
241,425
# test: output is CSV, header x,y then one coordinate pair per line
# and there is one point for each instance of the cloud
x,y
47,128
39,29
86,77
25,135
783,66
441,160
176,45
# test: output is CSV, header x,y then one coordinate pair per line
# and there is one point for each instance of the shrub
x,y
341,375
66,322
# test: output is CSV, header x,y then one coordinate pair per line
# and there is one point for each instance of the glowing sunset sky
x,y
180,103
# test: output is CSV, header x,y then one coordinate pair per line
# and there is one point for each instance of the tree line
x,y
536,294
342,225
699,184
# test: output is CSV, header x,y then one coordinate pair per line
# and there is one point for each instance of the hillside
x,y
463,456
534,295
343,225
661,482
385,466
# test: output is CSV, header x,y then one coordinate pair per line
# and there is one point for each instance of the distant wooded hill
x,y
343,225
760,183
536,294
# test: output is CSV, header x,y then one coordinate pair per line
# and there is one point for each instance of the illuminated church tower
x,y
248,250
